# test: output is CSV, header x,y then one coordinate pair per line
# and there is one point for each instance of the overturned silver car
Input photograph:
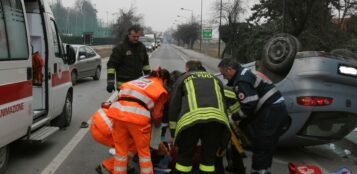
x,y
320,90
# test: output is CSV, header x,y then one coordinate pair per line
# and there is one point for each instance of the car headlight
x,y
347,70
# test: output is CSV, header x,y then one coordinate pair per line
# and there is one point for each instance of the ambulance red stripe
x,y
15,91
65,77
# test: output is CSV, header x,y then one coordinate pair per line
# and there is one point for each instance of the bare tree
x,y
187,34
126,19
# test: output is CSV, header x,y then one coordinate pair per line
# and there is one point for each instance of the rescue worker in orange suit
x,y
101,130
37,64
262,107
128,61
197,111
139,102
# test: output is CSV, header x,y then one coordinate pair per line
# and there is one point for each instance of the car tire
x,y
279,53
97,73
65,118
74,77
4,158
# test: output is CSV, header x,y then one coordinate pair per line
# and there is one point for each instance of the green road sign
x,y
207,33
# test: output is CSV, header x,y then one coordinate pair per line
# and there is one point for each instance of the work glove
x,y
110,87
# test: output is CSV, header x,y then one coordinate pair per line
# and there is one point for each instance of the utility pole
x,y
201,29
284,11
219,33
107,30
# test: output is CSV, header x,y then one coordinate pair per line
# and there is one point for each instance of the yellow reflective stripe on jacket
x,y
205,168
219,95
229,94
191,95
146,67
233,108
111,71
183,168
172,124
201,114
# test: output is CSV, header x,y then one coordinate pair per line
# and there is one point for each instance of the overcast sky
x,y
158,14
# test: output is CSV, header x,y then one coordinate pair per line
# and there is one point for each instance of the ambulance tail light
x,y
314,101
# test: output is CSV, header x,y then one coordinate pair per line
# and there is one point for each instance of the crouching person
x,y
197,111
139,102
101,130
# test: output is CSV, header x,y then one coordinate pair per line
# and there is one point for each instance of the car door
x,y
82,67
58,70
92,61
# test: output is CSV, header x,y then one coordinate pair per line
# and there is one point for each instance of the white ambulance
x,y
28,111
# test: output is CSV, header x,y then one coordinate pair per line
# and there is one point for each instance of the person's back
x,y
198,111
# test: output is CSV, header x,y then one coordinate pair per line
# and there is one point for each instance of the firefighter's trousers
x,y
209,134
122,133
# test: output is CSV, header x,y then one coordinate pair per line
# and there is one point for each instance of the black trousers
x,y
210,135
235,161
266,130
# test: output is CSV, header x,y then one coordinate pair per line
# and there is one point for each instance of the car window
x,y
81,52
90,52
12,25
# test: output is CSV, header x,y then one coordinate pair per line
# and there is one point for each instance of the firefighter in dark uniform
x,y
262,106
128,61
197,111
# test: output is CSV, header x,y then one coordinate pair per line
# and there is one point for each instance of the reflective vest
x,y
139,101
198,97
101,128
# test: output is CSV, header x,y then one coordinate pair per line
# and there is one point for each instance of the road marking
x,y
181,56
66,151
61,156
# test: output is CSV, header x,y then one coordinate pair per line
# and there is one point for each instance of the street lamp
x,y
185,9
219,33
201,29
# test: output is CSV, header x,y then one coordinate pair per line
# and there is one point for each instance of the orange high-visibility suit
x,y
139,101
37,64
101,131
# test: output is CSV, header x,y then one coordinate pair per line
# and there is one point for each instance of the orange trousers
x,y
122,133
109,162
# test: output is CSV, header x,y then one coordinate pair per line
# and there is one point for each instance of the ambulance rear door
x,y
15,73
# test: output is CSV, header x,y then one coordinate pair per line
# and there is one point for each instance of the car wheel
x,y
279,53
64,120
74,77
97,73
4,158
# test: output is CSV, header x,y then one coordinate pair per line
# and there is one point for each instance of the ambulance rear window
x,y
13,35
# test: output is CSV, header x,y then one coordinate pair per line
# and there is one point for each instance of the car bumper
x,y
313,128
